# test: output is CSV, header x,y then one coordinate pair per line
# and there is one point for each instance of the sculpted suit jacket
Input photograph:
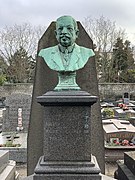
x,y
78,59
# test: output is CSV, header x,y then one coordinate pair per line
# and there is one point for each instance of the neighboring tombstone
x,y
126,98
126,168
46,80
11,118
2,107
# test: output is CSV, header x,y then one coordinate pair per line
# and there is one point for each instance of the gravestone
x,y
13,103
126,98
46,80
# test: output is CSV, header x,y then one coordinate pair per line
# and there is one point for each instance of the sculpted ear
x,y
55,32
77,33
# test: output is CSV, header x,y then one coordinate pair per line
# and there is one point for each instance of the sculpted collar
x,y
63,49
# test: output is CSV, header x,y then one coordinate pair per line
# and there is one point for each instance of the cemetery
x,y
14,137
15,123
17,147
58,126
116,131
17,106
7,167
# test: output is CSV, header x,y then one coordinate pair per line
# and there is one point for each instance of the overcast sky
x,y
43,12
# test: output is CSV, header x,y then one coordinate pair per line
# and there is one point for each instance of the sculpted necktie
x,y
66,56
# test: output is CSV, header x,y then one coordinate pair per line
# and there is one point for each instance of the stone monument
x,y
71,152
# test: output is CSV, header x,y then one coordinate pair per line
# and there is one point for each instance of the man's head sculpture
x,y
66,57
66,31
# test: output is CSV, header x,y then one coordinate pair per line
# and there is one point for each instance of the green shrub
x,y
108,113
2,79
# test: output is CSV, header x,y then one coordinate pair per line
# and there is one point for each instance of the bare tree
x,y
19,39
12,38
104,34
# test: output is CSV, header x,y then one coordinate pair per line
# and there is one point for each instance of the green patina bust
x,y
66,57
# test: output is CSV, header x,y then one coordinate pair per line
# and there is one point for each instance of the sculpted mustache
x,y
64,37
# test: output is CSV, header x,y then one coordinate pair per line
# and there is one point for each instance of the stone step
x,y
9,173
7,167
124,173
4,159
103,177
129,161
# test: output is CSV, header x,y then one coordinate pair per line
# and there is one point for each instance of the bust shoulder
x,y
86,52
47,51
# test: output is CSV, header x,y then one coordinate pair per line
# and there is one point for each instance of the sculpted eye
x,y
70,28
60,28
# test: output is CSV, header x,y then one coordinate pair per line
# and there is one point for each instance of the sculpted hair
x,y
74,21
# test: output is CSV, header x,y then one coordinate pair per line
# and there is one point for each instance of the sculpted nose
x,y
64,31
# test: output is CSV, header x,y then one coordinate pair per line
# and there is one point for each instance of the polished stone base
x,y
67,137
67,177
67,170
103,177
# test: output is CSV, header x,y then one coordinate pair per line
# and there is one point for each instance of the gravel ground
x,y
110,168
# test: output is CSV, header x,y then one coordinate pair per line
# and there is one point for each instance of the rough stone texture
x,y
21,88
64,134
46,80
10,116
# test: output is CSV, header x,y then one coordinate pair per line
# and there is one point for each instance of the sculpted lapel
x,y
77,60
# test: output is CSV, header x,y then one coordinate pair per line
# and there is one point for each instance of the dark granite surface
x,y
66,98
67,134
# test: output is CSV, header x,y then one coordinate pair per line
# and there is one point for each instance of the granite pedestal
x,y
67,137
